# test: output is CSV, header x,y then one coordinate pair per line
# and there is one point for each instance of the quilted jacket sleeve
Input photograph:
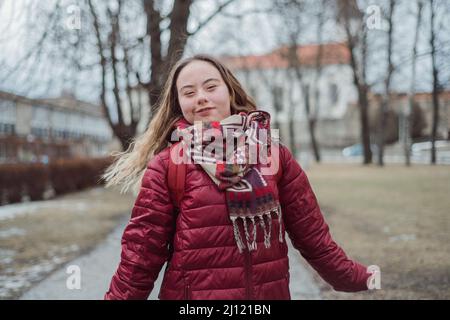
x,y
309,232
145,239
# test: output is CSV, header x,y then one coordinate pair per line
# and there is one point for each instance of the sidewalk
x,y
98,266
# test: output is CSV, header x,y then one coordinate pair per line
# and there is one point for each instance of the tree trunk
x,y
435,85
311,124
364,118
348,11
178,36
408,115
387,83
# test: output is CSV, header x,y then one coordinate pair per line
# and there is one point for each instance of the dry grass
x,y
394,217
53,235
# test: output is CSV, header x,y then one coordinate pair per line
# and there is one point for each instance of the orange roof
x,y
332,53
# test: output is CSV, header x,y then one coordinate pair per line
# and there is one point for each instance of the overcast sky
x,y
254,34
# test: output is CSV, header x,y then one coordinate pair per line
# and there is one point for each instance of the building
x,y
422,120
44,129
283,89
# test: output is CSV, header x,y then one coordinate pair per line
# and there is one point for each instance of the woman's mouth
x,y
204,111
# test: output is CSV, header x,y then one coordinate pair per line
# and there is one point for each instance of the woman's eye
x,y
211,87
190,93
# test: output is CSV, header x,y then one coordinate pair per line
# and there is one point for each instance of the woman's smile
x,y
205,111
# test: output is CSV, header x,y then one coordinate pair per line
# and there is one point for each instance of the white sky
x,y
253,34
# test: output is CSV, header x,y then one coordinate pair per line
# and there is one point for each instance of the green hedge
x,y
64,176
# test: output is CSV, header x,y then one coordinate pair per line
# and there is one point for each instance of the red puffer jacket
x,y
205,262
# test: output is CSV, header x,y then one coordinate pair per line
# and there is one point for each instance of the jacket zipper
x,y
248,269
187,290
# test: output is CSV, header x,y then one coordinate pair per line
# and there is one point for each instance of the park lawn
x,y
54,232
394,217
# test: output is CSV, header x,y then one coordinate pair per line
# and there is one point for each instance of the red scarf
x,y
249,198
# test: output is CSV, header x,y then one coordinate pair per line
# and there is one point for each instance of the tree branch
x,y
114,17
153,31
207,20
102,64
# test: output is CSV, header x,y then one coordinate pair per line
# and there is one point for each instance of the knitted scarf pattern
x,y
232,162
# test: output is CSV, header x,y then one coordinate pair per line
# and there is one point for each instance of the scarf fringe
x,y
251,243
280,235
237,235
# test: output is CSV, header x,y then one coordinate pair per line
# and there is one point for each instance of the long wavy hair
x,y
129,166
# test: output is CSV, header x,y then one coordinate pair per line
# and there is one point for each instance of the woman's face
x,y
202,93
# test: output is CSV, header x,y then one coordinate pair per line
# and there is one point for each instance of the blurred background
x,y
359,90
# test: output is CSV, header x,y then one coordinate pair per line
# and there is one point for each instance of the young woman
x,y
227,240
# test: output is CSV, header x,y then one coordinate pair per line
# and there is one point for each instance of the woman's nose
x,y
202,97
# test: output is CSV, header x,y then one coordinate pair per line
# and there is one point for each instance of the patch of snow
x,y
11,232
6,256
35,273
55,250
11,211
12,283
402,237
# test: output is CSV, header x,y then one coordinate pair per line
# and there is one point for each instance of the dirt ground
x,y
394,217
54,232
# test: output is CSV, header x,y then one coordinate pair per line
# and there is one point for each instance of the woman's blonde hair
x,y
129,166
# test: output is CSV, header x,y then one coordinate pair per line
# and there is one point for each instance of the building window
x,y
7,128
7,112
3,155
7,151
333,93
40,132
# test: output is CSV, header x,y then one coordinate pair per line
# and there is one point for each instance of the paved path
x,y
98,266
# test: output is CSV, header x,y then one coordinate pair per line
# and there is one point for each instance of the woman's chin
x,y
207,118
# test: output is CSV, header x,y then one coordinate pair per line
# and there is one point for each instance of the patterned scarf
x,y
235,168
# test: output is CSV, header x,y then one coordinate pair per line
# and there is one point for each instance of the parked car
x,y
441,145
422,150
357,150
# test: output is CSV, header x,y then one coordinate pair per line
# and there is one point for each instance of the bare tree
x,y
126,55
178,36
321,17
267,76
410,112
267,80
160,62
350,18
122,130
293,13
436,88
385,105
